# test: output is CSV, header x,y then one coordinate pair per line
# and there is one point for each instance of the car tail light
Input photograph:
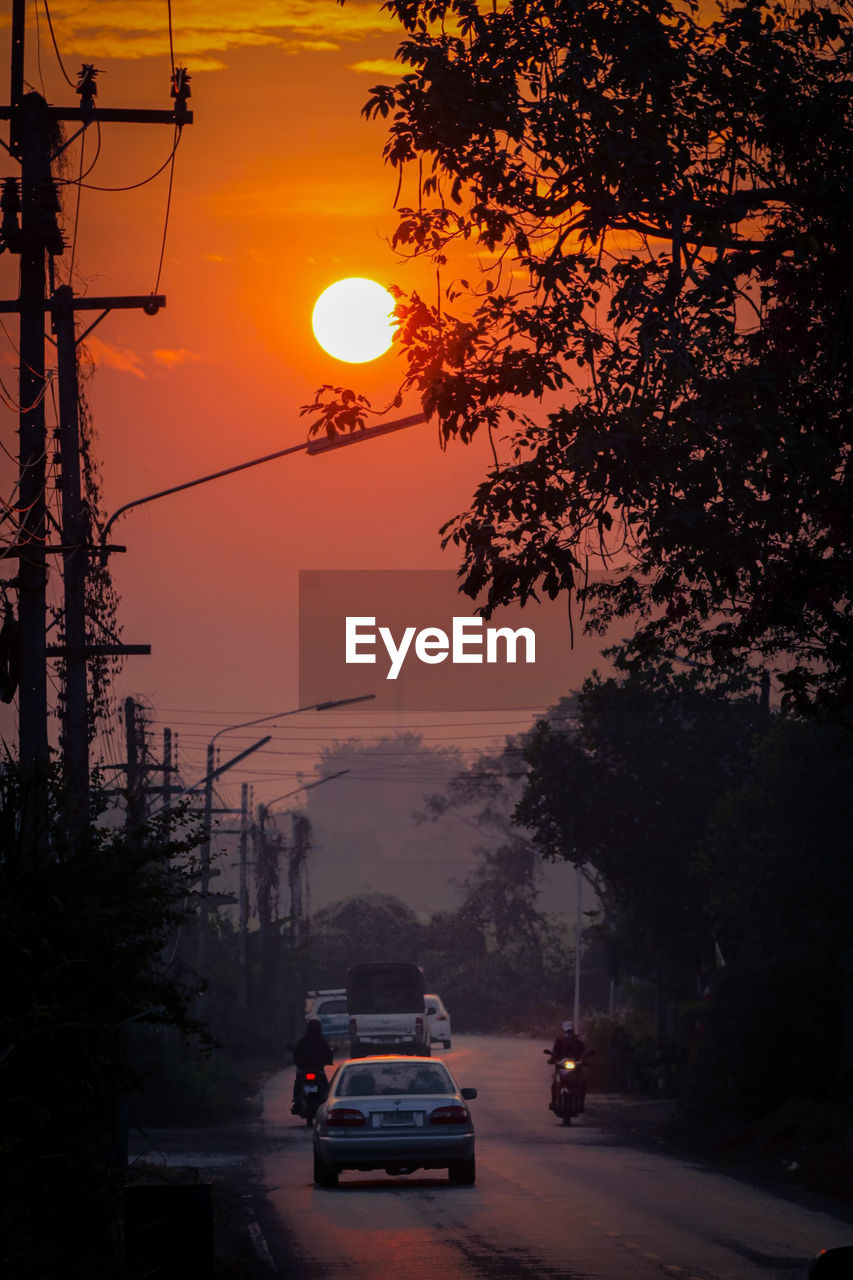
x,y
353,1028
310,1075
345,1117
449,1115
419,1028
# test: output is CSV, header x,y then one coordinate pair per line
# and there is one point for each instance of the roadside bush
x,y
82,939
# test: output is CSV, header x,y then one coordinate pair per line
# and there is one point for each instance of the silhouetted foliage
x,y
359,930
657,194
780,850
83,940
630,791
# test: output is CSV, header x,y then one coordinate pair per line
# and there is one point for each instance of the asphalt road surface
x,y
581,1203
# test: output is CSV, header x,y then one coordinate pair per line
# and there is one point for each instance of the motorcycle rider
x,y
568,1044
312,1053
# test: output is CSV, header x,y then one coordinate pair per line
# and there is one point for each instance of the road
x,y
579,1203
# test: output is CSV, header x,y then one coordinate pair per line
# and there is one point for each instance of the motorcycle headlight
x,y
569,1064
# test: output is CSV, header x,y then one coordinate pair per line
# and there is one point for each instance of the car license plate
x,y
392,1118
310,1088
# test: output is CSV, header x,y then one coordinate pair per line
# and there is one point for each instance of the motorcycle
x,y
567,1091
309,1094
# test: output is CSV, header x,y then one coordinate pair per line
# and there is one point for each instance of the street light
x,y
207,781
320,444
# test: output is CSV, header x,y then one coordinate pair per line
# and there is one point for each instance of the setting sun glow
x,y
353,320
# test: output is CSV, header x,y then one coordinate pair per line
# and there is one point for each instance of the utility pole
x,y
297,862
30,229
76,537
207,835
243,931
578,946
167,782
204,885
135,741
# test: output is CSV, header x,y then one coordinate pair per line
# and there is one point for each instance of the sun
x,y
352,320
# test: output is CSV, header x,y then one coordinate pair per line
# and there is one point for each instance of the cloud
x,y
171,358
301,197
379,67
132,29
121,358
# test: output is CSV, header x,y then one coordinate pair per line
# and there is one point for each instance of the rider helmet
x,y
568,1026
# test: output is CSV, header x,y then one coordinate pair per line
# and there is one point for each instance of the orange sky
x,y
279,190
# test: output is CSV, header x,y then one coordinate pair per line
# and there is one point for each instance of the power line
x,y
168,197
131,186
55,45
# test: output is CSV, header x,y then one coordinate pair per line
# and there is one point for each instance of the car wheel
x,y
324,1175
462,1173
446,1044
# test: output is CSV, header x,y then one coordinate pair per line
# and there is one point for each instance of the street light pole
x,y
207,820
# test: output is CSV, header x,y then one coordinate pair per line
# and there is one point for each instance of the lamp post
x,y
207,781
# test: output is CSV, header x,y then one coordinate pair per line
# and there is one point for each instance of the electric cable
x,y
56,46
77,207
168,207
132,186
171,38
38,52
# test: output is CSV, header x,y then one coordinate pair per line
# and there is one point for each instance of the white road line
x,y
261,1246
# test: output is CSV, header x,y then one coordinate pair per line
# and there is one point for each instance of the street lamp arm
x,y
191,484
322,444
317,445
209,778
279,715
306,786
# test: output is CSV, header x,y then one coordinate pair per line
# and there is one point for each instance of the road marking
x,y
670,1266
652,1257
261,1246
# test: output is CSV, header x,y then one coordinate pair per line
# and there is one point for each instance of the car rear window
x,y
385,988
332,1006
381,1080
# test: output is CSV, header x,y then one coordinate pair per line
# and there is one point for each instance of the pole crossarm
x,y
111,115
149,302
24,548
98,650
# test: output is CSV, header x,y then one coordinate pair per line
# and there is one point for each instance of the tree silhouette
x,y
640,211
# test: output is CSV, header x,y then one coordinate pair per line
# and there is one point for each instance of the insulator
x,y
181,84
10,199
86,81
48,198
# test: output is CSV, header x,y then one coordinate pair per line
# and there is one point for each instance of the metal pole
x,y
75,536
578,928
243,987
31,119
204,886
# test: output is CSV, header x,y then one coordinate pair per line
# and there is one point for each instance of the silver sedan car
x,y
397,1114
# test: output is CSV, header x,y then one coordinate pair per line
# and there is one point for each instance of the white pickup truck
x,y
386,1009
